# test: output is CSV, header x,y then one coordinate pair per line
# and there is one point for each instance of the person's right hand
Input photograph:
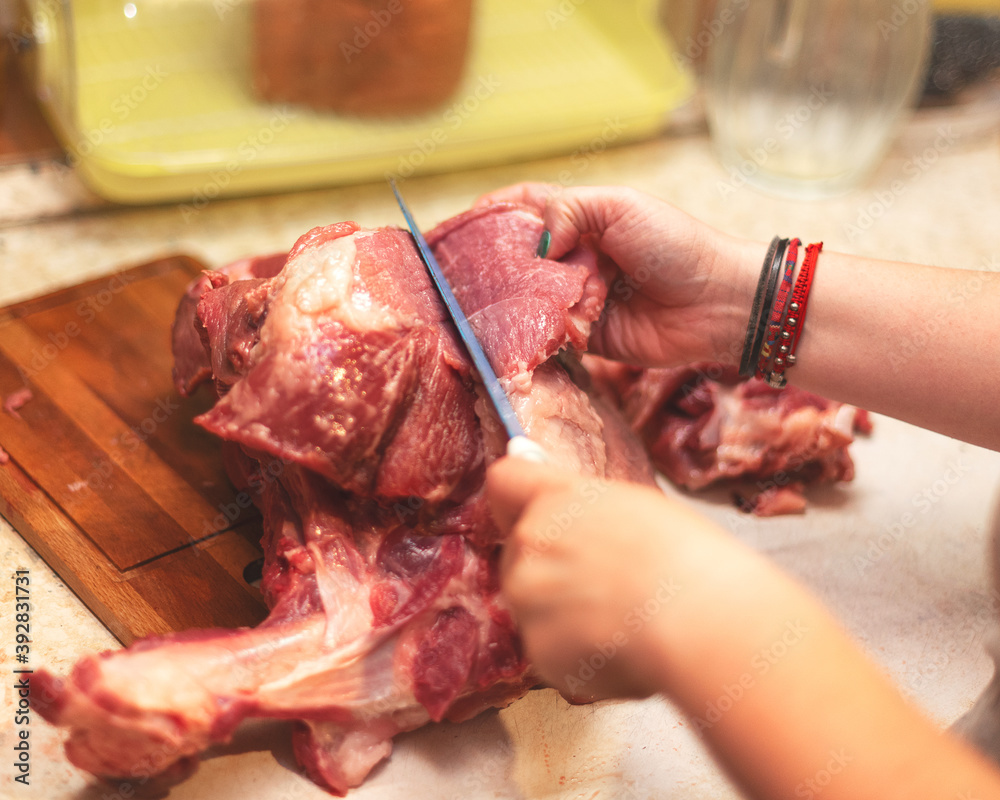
x,y
678,290
590,569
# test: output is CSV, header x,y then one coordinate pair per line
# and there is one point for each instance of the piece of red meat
x,y
702,425
374,629
351,413
352,372
191,357
527,311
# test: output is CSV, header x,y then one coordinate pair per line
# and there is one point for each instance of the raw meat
x,y
15,400
702,425
351,414
191,362
525,312
12,405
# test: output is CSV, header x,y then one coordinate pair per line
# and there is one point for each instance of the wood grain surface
x,y
109,479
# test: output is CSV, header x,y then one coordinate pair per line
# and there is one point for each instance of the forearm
x,y
765,674
909,341
788,704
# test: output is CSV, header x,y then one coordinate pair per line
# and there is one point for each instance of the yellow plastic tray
x,y
152,100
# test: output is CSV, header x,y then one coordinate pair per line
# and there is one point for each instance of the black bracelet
x,y
765,311
762,299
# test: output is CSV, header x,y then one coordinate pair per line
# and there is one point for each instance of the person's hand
x,y
678,290
620,592
586,569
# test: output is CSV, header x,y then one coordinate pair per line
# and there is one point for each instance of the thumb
x,y
513,483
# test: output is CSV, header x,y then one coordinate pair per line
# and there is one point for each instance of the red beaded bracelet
x,y
791,329
778,310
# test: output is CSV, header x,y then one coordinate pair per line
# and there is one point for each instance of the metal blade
x,y
489,378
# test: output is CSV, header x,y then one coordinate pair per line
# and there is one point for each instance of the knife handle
x,y
523,447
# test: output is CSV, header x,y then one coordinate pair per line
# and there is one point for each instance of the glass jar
x,y
803,96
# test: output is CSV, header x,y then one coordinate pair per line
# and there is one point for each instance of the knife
x,y
518,443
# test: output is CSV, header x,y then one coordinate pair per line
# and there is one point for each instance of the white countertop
x,y
920,609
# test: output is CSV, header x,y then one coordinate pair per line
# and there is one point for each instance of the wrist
x,y
727,600
687,583
734,270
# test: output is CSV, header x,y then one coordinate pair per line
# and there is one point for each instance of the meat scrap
x,y
703,426
15,400
12,405
338,377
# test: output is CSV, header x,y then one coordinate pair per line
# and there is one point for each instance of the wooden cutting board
x,y
109,480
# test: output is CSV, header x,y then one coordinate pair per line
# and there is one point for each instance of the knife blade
x,y
518,443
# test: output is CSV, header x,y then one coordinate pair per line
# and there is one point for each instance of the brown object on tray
x,y
374,57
